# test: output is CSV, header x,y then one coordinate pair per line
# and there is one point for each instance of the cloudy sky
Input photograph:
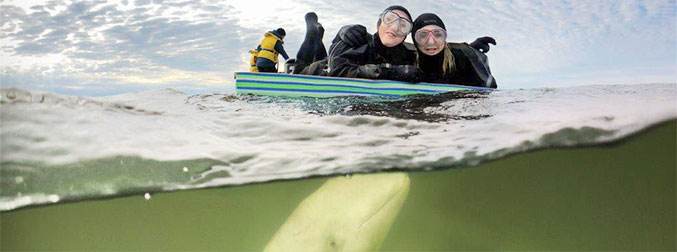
x,y
110,47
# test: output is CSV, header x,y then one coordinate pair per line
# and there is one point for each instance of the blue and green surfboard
x,y
292,85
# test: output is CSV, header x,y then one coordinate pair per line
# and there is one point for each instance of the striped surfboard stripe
x,y
292,85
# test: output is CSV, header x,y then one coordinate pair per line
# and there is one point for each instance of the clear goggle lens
x,y
438,35
402,24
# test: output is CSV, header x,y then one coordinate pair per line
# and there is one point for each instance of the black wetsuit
x,y
432,67
472,67
312,49
349,62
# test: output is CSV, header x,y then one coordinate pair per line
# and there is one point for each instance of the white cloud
x,y
201,43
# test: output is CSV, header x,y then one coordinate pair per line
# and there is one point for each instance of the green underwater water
x,y
613,197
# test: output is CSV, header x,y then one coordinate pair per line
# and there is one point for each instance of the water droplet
x,y
185,169
147,196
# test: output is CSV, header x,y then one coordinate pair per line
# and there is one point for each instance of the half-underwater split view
x,y
294,125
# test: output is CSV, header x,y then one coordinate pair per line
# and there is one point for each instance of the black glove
x,y
408,73
353,35
482,44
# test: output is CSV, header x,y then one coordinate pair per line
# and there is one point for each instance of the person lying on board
x,y
383,56
442,62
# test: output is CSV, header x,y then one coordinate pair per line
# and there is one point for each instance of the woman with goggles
x,y
434,56
381,56
453,63
393,27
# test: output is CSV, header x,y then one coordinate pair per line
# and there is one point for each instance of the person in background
x,y
269,49
252,60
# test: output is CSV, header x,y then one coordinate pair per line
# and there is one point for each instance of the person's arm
x,y
482,44
345,61
280,49
354,35
472,66
349,64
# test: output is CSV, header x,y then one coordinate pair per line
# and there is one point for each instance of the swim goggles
x,y
438,35
401,24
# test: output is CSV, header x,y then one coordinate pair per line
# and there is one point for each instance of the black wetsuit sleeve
x,y
279,48
472,67
344,61
366,62
349,62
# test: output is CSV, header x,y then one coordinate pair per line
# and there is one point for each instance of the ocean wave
x,y
81,147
